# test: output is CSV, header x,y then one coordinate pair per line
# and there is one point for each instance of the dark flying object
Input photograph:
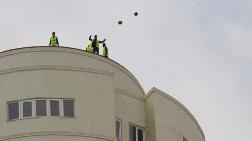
x,y
120,22
136,14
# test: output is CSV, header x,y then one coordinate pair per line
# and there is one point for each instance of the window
x,y
68,108
139,134
118,128
54,105
27,109
13,109
132,133
136,133
41,107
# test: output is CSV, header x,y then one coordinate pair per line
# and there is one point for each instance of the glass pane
x,y
54,108
40,107
118,130
132,133
13,109
27,109
140,135
68,108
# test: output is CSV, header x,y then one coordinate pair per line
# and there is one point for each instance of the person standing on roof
x,y
54,42
95,43
105,50
89,48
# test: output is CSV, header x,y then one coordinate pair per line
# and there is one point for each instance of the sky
x,y
198,51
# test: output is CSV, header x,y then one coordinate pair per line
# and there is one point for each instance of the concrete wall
x,y
51,72
103,90
171,119
150,119
129,110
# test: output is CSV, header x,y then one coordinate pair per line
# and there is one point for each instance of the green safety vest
x,y
54,41
89,48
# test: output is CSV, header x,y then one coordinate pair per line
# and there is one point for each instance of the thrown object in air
x,y
120,22
136,14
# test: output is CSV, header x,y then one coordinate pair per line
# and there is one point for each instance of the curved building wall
x,y
50,72
167,119
103,92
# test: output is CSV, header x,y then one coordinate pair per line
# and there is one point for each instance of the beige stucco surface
x,y
103,91
171,120
46,72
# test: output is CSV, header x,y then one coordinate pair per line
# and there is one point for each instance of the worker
x,y
54,42
89,48
95,44
105,50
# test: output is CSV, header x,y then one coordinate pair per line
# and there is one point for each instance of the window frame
x,y
63,108
50,108
120,129
8,111
21,108
137,127
46,108
34,112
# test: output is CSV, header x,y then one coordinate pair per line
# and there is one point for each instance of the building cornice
x,y
55,67
56,133
127,93
167,96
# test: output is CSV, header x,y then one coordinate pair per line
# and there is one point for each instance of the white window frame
x,y
138,127
35,107
48,107
62,107
9,111
21,109
120,129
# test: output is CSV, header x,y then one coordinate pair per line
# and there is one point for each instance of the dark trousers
x,y
96,50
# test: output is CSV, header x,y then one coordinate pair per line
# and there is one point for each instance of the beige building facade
x,y
67,94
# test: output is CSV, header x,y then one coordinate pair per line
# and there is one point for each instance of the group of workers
x,y
93,47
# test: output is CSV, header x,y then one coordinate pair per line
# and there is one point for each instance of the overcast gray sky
x,y
198,51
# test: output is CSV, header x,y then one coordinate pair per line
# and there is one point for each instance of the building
x,y
66,94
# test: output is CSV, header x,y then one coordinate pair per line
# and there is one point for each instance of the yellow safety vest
x,y
54,41
89,48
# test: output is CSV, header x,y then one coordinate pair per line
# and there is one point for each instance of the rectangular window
x,y
27,109
13,109
41,107
54,107
68,108
132,133
136,133
118,130
139,135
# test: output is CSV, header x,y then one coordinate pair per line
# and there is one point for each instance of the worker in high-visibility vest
x,y
89,48
54,42
105,50
95,43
